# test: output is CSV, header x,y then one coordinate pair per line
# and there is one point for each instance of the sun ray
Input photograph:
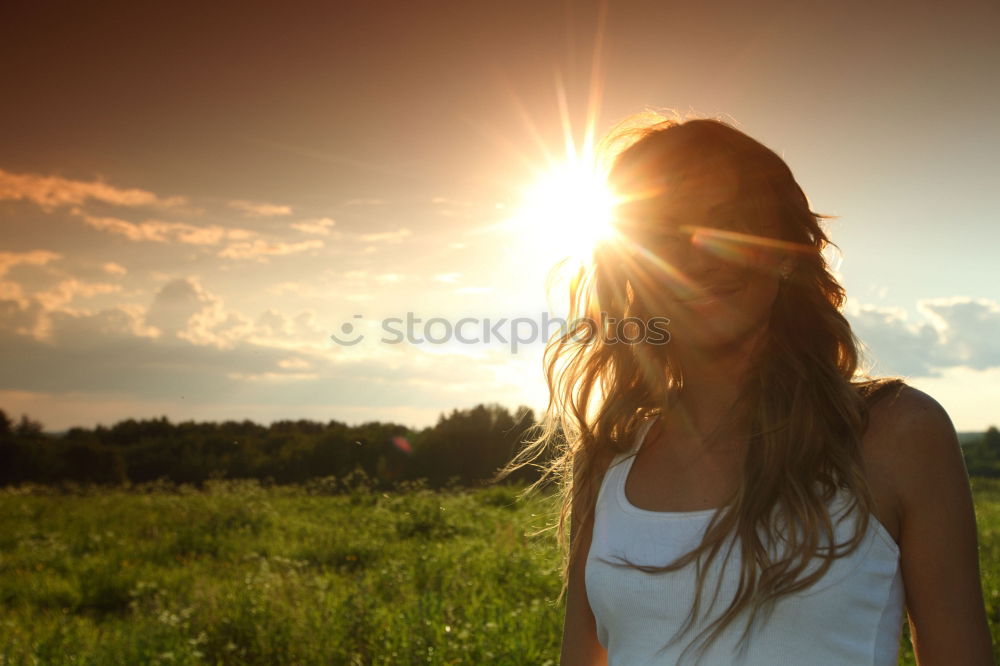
x,y
596,88
568,207
569,142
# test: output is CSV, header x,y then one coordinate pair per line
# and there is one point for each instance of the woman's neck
x,y
713,380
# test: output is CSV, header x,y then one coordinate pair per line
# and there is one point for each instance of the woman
x,y
741,494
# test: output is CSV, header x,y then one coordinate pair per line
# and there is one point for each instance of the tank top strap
x,y
641,432
637,439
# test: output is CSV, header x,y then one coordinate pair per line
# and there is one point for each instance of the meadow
x,y
240,573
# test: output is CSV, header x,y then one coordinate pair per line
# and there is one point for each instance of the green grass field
x,y
241,574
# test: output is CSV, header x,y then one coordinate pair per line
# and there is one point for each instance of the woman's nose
x,y
700,254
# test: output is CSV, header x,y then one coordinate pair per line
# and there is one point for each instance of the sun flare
x,y
566,211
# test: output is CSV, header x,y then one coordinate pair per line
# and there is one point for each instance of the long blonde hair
x,y
807,401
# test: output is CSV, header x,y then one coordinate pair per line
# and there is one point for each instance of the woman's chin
x,y
716,332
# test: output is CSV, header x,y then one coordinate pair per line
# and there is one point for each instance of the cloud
x,y
184,310
240,243
448,207
68,290
896,345
157,231
320,226
970,330
260,209
447,278
295,364
958,332
364,202
114,269
260,249
386,236
274,329
21,318
35,258
64,288
170,351
13,291
50,192
176,303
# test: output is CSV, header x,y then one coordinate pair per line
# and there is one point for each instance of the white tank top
x,y
853,615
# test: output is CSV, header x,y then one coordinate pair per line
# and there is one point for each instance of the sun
x,y
566,211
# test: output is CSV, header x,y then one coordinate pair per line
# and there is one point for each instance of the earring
x,y
786,270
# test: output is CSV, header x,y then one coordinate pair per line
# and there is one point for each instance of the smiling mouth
x,y
711,293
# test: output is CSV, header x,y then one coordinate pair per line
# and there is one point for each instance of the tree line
x,y
982,455
465,447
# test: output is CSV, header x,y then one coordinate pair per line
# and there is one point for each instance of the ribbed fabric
x,y
853,615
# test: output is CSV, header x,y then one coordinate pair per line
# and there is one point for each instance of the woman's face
x,y
702,260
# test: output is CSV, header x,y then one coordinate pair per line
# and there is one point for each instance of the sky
x,y
195,196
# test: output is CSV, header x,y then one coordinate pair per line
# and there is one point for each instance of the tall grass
x,y
244,574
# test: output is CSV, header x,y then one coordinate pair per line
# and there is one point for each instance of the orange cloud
x,y
387,236
164,232
260,249
319,227
259,209
35,257
50,192
68,290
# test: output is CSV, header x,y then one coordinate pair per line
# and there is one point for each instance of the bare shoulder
x,y
912,440
908,406
912,454
916,446
909,423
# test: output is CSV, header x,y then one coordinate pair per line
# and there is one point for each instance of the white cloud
x,y
970,330
183,309
189,344
958,332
